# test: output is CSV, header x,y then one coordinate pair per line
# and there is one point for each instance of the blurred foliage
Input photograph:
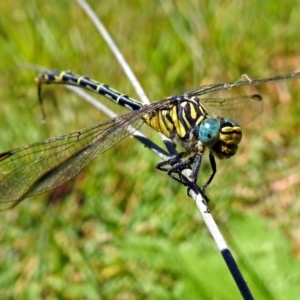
x,y
121,229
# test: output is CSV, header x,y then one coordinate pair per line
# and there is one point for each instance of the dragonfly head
x,y
220,135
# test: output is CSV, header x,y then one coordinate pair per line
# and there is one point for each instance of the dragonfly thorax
x,y
177,118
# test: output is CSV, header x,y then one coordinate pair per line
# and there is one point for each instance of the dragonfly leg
x,y
197,163
171,147
175,167
172,164
213,168
178,172
192,186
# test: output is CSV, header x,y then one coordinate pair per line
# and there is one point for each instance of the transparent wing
x,y
40,167
244,81
242,108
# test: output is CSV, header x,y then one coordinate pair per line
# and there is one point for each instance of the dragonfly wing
x,y
40,167
242,109
245,80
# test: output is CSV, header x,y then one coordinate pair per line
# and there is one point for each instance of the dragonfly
x,y
193,122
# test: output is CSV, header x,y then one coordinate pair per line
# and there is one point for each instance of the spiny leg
x,y
175,167
213,165
171,147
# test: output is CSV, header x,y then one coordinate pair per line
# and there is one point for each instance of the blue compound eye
x,y
209,132
231,121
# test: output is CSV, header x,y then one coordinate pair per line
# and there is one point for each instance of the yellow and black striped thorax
x,y
177,117
185,120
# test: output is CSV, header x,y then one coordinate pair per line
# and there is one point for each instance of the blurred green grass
x,y
116,234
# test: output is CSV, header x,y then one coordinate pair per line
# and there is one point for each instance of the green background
x,y
121,229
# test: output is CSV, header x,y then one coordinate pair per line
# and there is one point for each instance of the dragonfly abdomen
x,y
66,77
